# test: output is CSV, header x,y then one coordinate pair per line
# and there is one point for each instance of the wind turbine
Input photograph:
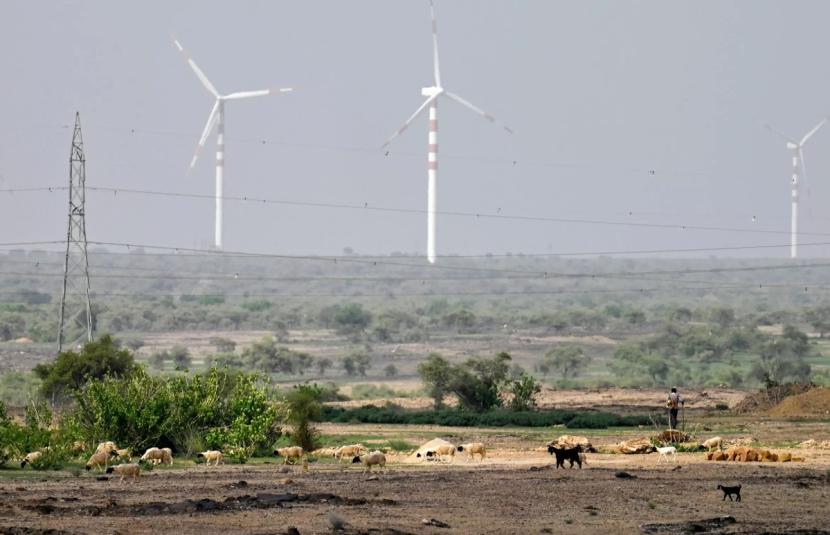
x,y
432,93
217,118
799,172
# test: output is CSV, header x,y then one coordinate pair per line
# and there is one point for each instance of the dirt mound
x,y
768,398
813,403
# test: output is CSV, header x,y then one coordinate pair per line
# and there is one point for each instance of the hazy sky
x,y
600,94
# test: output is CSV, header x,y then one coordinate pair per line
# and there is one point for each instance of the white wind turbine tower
x,y
799,172
217,118
432,93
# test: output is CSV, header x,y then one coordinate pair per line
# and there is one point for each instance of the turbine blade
x,y
813,131
478,111
435,63
196,69
259,93
205,133
780,134
418,112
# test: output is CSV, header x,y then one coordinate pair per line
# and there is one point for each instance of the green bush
x,y
229,409
391,414
96,360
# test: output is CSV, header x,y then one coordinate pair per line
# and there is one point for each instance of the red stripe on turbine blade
x,y
433,147
432,166
433,125
434,26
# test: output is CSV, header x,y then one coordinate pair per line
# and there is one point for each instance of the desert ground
x,y
515,490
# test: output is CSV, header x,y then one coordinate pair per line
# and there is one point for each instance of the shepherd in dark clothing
x,y
674,402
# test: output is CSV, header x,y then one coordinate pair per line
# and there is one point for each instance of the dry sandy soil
x,y
508,493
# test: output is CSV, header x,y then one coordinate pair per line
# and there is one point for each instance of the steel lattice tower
x,y
75,306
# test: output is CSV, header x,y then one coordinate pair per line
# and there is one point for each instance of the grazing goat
x,y
474,448
125,470
665,452
566,454
369,460
292,453
729,491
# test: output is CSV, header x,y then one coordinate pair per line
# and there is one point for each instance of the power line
x,y
642,290
456,213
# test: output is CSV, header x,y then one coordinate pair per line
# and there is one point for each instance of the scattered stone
x,y
676,468
545,530
291,530
372,478
102,478
20,489
287,481
434,522
337,522
707,525
625,475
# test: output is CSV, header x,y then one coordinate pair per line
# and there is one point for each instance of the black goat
x,y
566,454
729,491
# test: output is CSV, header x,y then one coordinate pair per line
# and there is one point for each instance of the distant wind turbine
x,y
799,172
217,118
432,93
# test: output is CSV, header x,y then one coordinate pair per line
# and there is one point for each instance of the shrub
x,y
70,370
303,407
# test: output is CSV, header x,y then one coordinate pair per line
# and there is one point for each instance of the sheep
x,y
212,455
291,453
124,455
736,453
125,470
665,452
99,460
154,455
473,448
167,457
713,443
371,459
78,447
30,458
440,452
349,452
106,446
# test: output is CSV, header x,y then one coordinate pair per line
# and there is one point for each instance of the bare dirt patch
x,y
492,497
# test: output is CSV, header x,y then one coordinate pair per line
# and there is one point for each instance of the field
x,y
515,490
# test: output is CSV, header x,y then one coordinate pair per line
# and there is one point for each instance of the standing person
x,y
674,402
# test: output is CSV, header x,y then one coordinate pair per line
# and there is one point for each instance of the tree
x,y
819,319
567,360
782,359
223,345
96,360
390,370
303,404
435,374
265,355
478,381
523,390
351,318
324,364
356,364
180,357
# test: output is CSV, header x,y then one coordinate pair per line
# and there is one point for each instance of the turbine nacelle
x,y
791,145
431,91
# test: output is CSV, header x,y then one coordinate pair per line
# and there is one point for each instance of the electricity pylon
x,y
76,308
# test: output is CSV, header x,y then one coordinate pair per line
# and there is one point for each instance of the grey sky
x,y
599,94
